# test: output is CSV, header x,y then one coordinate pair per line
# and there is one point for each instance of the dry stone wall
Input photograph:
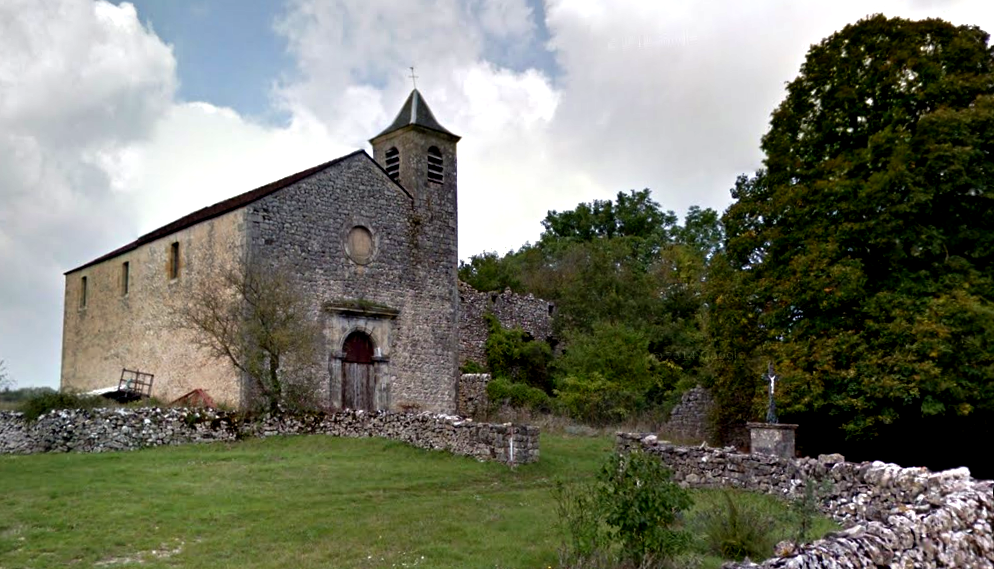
x,y
102,430
533,315
896,517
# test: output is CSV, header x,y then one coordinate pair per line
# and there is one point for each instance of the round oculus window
x,y
359,245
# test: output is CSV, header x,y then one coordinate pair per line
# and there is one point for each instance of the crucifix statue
x,y
771,410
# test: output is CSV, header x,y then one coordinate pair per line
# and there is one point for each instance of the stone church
x,y
372,241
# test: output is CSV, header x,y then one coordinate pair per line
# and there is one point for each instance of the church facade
x,y
370,240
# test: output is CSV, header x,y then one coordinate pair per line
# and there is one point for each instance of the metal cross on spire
x,y
414,78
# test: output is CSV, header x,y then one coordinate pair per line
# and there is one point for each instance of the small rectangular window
x,y
82,292
393,162
174,260
125,277
436,171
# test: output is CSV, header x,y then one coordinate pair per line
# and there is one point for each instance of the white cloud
x,y
79,81
504,18
353,59
199,154
76,74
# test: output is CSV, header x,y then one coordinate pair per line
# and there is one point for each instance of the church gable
x,y
350,220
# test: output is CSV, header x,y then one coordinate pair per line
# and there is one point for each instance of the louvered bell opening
x,y
435,169
393,163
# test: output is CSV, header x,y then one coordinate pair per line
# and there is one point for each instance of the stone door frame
x,y
344,319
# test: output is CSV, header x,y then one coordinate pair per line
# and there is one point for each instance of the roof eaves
x,y
218,209
415,112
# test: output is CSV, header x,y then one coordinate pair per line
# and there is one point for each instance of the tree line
x,y
859,260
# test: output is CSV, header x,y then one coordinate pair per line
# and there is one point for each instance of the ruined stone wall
x,y
690,420
102,430
897,517
471,395
135,328
533,315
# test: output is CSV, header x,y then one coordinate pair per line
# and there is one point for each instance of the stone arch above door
x,y
358,348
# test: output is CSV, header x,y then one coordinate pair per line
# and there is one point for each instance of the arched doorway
x,y
358,380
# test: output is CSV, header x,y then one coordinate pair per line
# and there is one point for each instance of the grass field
x,y
288,502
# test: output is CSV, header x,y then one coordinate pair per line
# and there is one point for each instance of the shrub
x,y
620,354
806,511
736,530
514,355
597,401
472,367
641,504
579,518
49,401
23,394
609,375
630,514
138,404
501,391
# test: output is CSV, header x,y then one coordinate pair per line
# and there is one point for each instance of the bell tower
x,y
420,154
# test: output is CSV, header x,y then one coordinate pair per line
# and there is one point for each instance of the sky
x,y
117,118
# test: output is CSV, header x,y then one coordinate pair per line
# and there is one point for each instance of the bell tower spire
x,y
418,152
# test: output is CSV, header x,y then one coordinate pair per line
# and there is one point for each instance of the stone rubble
x,y
102,430
895,517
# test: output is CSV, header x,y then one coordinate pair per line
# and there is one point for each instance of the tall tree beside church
x,y
861,258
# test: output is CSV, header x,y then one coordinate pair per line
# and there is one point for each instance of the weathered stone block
x,y
772,439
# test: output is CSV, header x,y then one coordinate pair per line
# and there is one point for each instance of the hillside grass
x,y
306,501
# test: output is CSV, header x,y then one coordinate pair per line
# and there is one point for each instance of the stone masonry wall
x,y
897,517
533,315
134,327
690,420
102,430
304,227
471,394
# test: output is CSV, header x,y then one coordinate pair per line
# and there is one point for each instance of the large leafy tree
x,y
634,214
861,258
489,271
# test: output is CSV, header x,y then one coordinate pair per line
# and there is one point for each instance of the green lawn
x,y
310,501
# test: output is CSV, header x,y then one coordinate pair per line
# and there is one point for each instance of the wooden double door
x,y
358,376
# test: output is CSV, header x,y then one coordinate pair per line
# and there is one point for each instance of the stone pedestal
x,y
772,439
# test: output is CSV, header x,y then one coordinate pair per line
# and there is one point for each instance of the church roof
x,y
415,112
226,206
